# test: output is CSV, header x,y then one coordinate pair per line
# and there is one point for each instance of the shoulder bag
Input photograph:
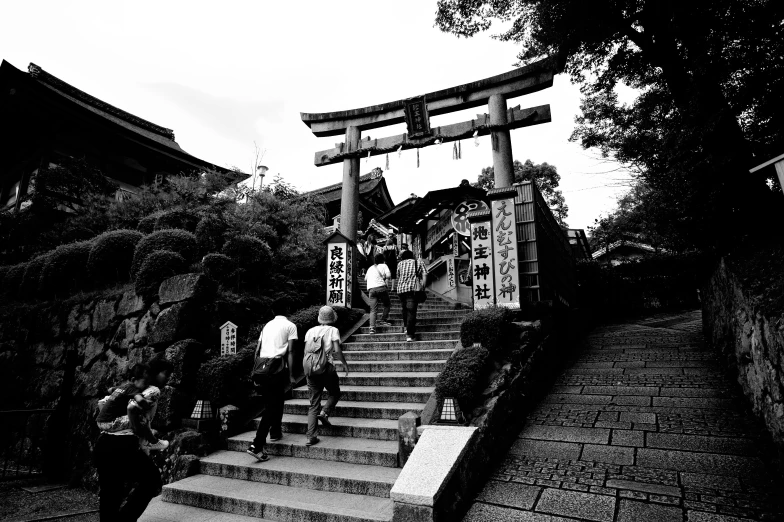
x,y
420,295
266,367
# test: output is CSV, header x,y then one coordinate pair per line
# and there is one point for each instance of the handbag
x,y
420,295
266,367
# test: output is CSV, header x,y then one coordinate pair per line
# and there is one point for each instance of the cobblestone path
x,y
644,426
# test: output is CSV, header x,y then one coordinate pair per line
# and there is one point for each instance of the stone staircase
x,y
348,475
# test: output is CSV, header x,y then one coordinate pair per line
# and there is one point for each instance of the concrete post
x,y
503,166
349,200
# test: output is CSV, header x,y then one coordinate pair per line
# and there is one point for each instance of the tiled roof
x,y
333,192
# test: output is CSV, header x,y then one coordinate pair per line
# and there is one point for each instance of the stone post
x,y
349,199
503,165
407,435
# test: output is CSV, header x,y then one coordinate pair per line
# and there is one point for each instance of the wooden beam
x,y
516,117
525,80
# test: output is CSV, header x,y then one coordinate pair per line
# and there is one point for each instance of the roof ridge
x,y
44,77
373,174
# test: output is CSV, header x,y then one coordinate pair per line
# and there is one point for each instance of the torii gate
x,y
493,91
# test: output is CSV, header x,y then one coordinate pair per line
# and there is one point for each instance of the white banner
x,y
451,273
505,260
338,274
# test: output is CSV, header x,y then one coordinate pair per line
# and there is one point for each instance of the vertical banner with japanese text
x,y
338,274
481,261
505,260
451,273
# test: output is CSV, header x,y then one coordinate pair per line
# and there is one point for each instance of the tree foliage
x,y
544,175
708,73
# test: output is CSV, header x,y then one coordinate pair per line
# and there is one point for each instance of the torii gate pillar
x,y
503,166
349,198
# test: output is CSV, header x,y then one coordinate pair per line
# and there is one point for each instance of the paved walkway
x,y
644,426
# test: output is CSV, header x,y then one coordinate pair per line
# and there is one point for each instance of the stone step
x,y
276,502
432,314
321,475
159,510
420,366
375,393
379,429
401,337
397,355
341,449
370,345
421,328
389,379
357,410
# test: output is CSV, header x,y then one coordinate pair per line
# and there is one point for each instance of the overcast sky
x,y
225,74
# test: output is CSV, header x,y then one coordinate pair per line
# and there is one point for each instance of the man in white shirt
x,y
275,342
377,277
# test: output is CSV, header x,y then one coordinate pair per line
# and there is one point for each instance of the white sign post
x,y
228,338
505,259
339,270
482,259
451,273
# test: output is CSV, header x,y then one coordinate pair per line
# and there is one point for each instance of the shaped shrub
x,y
13,279
147,223
112,254
65,271
209,234
173,240
249,252
156,267
489,326
31,279
224,380
177,218
218,267
463,374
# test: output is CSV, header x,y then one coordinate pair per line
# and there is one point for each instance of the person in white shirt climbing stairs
x,y
376,278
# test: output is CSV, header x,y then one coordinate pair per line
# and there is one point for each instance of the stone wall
x,y
752,344
65,356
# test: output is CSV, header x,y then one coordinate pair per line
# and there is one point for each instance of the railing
x,y
22,434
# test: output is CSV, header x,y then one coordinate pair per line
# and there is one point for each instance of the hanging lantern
x,y
202,410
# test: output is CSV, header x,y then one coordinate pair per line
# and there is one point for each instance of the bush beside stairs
x,y
347,477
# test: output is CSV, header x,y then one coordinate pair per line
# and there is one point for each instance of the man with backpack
x,y
322,344
271,374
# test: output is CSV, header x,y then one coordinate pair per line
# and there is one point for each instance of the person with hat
x,y
330,337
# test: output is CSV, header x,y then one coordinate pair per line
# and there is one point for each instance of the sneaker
x,y
324,418
372,331
259,456
275,438
409,339
158,446
312,441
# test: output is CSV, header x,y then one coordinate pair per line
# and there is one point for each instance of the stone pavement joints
x,y
643,426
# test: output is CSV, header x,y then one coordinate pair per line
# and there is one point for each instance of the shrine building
x,y
45,118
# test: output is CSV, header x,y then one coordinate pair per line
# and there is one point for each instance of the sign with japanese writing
x,y
482,264
417,119
505,260
228,338
460,215
438,231
338,274
456,245
451,273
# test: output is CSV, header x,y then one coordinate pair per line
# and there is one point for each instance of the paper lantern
x,y
202,410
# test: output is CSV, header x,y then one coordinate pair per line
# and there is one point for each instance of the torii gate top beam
x,y
531,78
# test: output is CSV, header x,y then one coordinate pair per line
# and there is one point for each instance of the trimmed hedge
x,y
225,380
463,374
173,240
488,326
158,266
66,269
218,267
13,279
209,234
31,280
177,218
147,223
111,255
250,253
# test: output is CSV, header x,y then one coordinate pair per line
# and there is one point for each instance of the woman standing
x,y
390,259
411,278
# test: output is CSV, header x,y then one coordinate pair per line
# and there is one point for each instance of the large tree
x,y
546,178
709,73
